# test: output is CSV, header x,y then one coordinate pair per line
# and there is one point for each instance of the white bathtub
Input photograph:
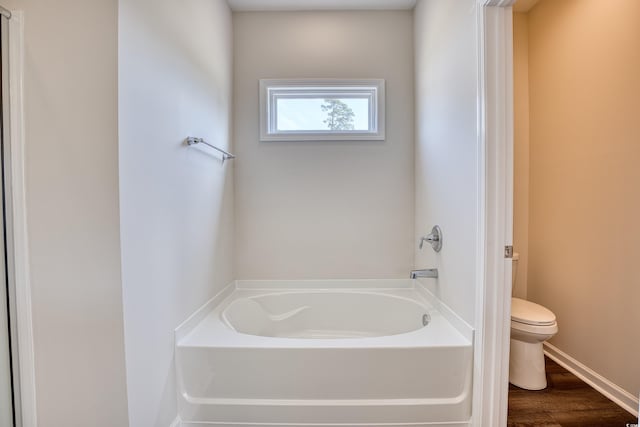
x,y
324,353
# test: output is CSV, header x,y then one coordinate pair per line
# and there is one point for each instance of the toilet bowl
x,y
531,325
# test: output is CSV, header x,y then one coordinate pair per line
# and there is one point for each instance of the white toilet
x,y
531,325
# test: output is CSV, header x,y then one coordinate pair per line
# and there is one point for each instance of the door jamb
x,y
495,181
17,233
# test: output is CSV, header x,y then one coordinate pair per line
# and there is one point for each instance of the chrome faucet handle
x,y
434,238
428,238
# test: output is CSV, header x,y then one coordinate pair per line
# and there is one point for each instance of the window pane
x,y
322,114
322,110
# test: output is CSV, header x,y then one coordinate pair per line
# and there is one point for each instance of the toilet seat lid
x,y
531,313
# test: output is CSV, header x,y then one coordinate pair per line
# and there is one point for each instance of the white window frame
x,y
273,89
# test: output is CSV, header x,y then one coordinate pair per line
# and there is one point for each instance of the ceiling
x,y
264,5
524,5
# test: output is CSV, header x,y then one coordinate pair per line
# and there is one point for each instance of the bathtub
x,y
324,353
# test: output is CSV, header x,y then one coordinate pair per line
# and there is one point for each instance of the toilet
x,y
531,325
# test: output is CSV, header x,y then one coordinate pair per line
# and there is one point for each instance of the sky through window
x,y
306,114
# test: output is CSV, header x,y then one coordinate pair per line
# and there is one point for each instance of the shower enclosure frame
x,y
17,259
495,219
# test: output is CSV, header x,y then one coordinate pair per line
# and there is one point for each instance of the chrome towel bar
x,y
225,154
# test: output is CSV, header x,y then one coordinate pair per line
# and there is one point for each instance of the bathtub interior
x,y
338,354
320,315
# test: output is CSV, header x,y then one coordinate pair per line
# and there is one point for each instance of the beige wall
x,y
446,156
71,109
521,151
176,201
584,63
320,209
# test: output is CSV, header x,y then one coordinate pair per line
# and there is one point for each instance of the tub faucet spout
x,y
427,272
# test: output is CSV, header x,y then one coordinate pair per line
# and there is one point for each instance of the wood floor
x,y
566,402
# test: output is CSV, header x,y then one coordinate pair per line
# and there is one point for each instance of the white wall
x,y
176,201
72,201
322,210
446,153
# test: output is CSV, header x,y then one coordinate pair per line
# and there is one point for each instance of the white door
x,y
6,386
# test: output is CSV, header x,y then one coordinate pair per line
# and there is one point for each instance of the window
x,y
321,110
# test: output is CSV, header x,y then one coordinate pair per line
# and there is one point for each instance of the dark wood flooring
x,y
566,402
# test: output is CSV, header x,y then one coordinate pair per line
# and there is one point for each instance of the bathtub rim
x,y
201,313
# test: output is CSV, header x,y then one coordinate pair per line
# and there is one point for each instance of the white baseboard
x,y
612,391
176,423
